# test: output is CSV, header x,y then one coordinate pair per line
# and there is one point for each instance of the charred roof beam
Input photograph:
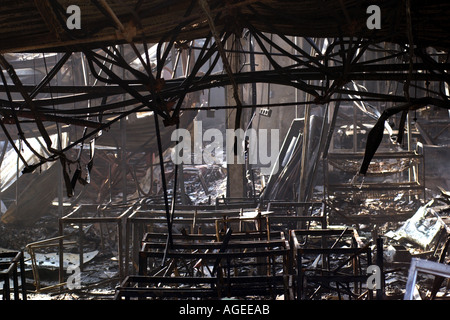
x,y
50,19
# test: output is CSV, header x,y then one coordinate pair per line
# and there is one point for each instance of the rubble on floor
x,y
421,233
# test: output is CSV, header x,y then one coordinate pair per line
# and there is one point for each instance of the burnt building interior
x,y
338,188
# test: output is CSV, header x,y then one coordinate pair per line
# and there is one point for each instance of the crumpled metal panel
x,y
421,228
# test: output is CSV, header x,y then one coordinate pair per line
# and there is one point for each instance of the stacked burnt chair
x,y
12,268
226,253
329,262
326,269
286,251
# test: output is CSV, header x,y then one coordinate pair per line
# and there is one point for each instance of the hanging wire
x,y
58,129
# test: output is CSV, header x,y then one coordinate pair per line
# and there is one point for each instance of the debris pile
x,y
426,235
319,259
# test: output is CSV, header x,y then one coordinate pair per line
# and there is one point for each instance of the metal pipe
x,y
163,178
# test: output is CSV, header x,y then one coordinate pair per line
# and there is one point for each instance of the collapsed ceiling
x,y
126,48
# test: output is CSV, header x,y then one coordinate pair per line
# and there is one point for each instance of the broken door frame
x,y
424,266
